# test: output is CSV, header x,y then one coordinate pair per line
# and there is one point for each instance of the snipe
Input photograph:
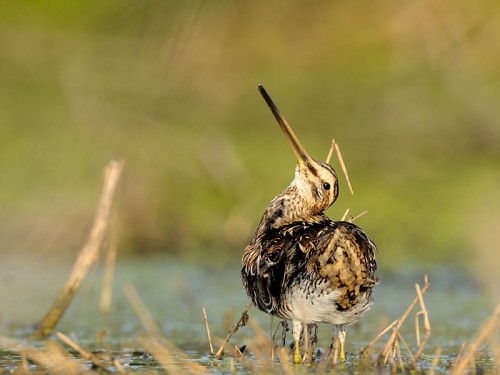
x,y
302,266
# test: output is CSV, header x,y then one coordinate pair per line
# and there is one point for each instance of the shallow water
x,y
175,291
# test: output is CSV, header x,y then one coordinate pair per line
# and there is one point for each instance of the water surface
x,y
174,291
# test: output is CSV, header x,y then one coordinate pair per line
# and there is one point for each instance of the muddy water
x,y
175,291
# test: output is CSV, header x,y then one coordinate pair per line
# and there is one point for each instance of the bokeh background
x,y
409,89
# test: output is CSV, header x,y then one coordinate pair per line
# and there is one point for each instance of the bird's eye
x,y
326,186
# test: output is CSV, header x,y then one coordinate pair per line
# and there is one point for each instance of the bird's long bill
x,y
298,149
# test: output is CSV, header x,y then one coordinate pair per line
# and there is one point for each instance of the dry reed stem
x,y
334,347
330,152
344,216
383,355
168,351
467,357
435,360
119,366
238,353
83,352
170,357
427,325
107,281
283,355
25,366
240,323
407,347
142,312
260,343
163,356
342,165
331,348
88,255
208,331
417,327
162,349
335,146
494,343
53,359
336,351
400,357
384,331
358,216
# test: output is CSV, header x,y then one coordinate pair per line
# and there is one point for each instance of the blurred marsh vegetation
x,y
410,91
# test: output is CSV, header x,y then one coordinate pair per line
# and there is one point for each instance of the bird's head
x,y
315,186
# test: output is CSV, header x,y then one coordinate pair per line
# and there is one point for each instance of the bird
x,y
302,266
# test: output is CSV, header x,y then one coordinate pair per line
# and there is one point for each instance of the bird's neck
x,y
285,209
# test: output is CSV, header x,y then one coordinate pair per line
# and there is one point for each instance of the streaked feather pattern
x,y
317,258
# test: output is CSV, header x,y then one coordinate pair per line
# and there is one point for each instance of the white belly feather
x,y
322,307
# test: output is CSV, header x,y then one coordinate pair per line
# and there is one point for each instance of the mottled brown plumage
x,y
302,266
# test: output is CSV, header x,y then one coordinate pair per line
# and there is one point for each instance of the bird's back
x,y
321,271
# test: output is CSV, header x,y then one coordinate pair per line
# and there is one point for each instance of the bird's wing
x,y
263,269
345,256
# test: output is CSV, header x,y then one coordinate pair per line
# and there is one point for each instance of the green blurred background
x,y
409,89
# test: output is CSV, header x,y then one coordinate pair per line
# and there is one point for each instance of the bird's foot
x,y
297,358
342,352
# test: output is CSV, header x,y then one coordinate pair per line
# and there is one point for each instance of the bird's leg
x,y
313,339
284,330
334,346
297,329
341,335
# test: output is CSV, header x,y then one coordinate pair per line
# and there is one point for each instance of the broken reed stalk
x,y
435,361
467,357
427,325
171,358
335,147
240,323
261,345
358,216
334,348
285,362
163,356
53,359
352,218
119,366
83,352
407,347
142,312
107,281
208,331
383,355
385,330
330,153
88,255
344,217
166,353
399,341
400,357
